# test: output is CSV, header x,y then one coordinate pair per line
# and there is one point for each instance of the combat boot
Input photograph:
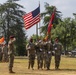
x,y
10,71
56,68
38,66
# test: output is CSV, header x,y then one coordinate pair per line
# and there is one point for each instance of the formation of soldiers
x,y
43,50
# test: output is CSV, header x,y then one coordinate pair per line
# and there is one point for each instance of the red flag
x,y
1,40
50,24
32,18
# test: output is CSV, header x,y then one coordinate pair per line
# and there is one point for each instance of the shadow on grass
x,y
29,73
37,72
63,70
67,69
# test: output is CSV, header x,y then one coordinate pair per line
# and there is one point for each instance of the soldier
x,y
48,54
37,53
40,55
57,48
5,53
11,53
31,53
0,52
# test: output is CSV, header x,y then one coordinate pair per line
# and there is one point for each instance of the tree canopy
x,y
12,24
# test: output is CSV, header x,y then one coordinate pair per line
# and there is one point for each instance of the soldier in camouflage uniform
x,y
5,53
31,53
39,52
48,54
11,53
0,52
57,48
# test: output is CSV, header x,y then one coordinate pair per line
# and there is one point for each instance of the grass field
x,y
67,67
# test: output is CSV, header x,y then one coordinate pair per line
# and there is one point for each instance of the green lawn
x,y
67,67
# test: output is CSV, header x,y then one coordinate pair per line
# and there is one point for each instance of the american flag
x,y
32,18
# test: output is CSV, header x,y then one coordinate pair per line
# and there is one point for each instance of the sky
x,y
67,7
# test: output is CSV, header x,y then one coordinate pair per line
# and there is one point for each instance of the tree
x,y
65,31
12,23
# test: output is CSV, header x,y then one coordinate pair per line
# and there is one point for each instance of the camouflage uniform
x,y
48,55
5,53
37,53
57,48
31,54
11,53
0,53
40,55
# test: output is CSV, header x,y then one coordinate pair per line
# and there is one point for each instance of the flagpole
x,y
50,25
35,18
37,26
37,31
39,23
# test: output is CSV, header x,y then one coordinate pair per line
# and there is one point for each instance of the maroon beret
x,y
11,36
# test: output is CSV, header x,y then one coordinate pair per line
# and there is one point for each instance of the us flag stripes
x,y
31,18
